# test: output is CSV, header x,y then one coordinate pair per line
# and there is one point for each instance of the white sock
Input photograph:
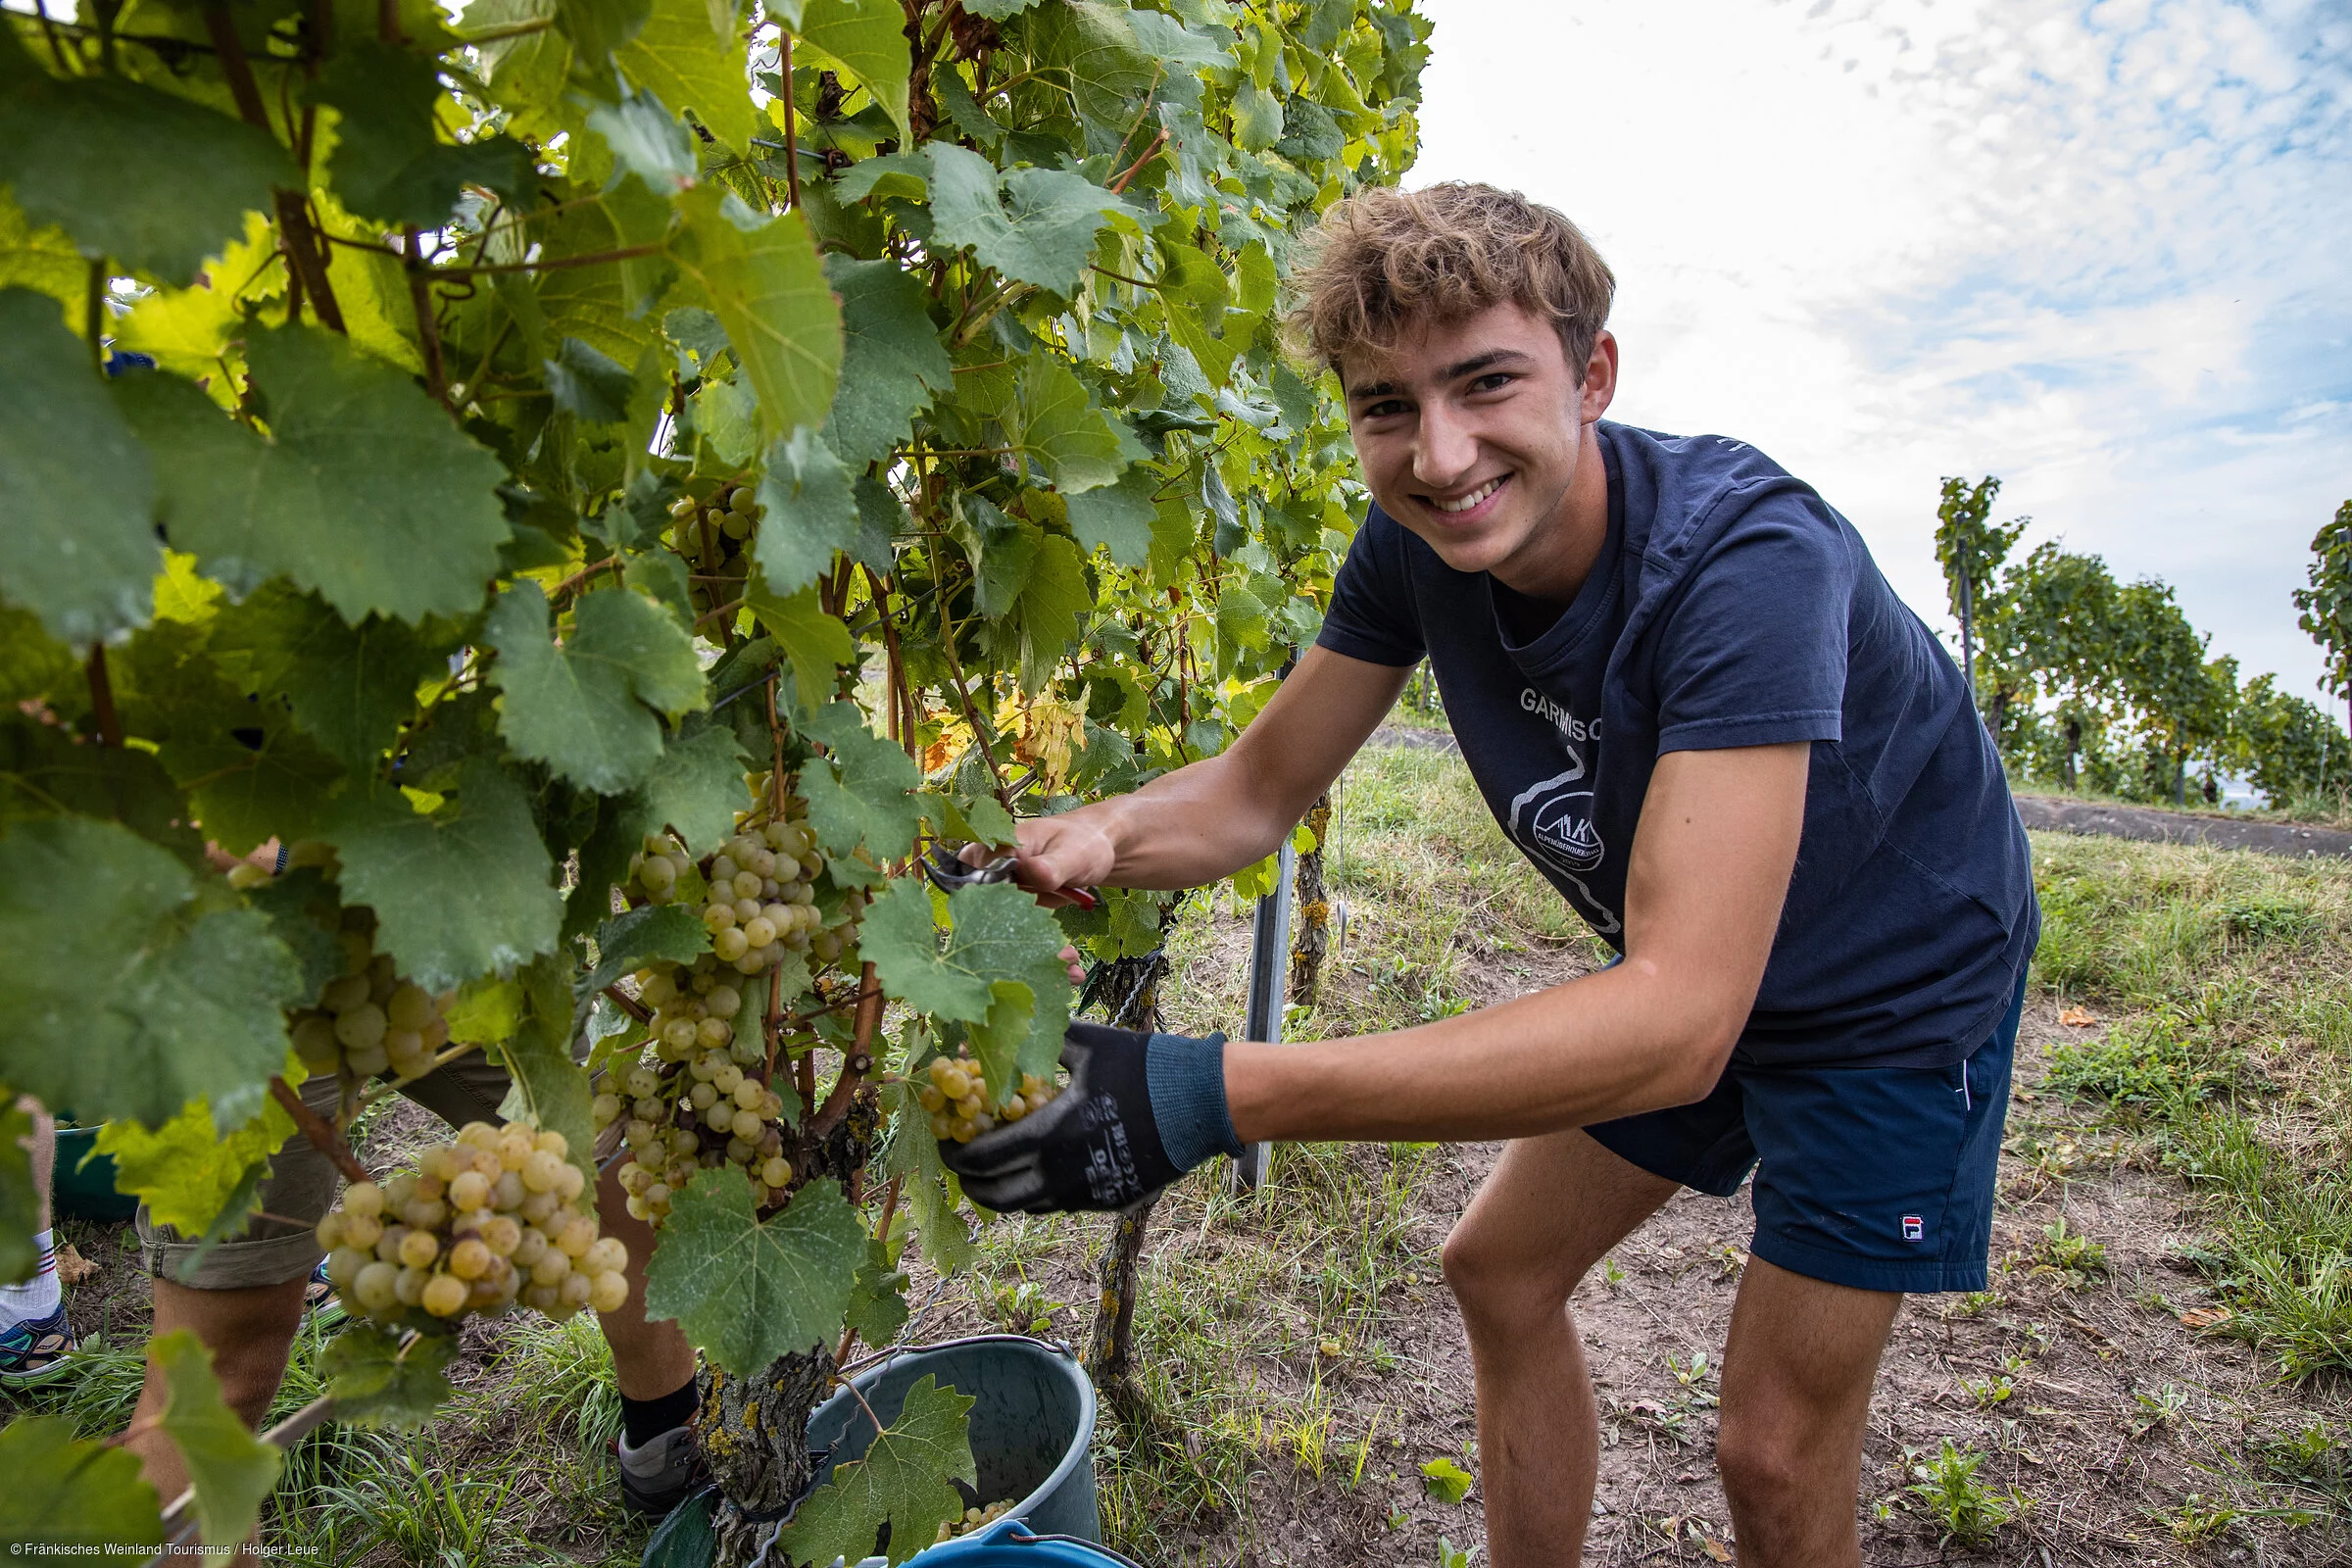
x,y
37,1297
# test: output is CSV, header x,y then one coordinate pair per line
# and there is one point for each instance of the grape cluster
x,y
715,538
757,893
953,1093
973,1519
488,1218
368,1018
696,1105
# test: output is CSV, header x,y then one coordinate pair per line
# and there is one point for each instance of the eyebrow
x,y
1452,373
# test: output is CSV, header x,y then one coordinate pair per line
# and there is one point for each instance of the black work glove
x,y
1140,1111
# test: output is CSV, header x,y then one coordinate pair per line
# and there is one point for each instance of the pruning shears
x,y
949,871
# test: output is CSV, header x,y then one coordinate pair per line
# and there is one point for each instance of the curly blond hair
x,y
1385,260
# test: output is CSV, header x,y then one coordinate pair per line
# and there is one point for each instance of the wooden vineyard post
x,y
1130,1002
1269,961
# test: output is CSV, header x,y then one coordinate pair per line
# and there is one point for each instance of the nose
x,y
1443,447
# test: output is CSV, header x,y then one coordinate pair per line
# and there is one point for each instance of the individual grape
x,y
314,1041
443,1295
418,1249
470,1258
343,1266
541,1170
372,1285
609,1291
408,1286
605,1110
469,1191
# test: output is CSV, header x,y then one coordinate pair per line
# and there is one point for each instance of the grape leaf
x,y
21,1199
817,642
901,1480
747,1291
811,511
376,1382
287,901
1045,618
1044,237
1117,516
44,774
697,787
1091,47
79,547
676,56
84,155
363,491
457,894
628,941
1081,446
646,141
582,707
598,29
1000,933
348,686
589,383
870,36
863,794
65,1491
42,259
185,1171
486,1011
877,1299
387,162
892,361
179,1004
232,1471
764,281
550,1089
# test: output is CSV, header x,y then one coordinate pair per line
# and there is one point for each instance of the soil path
x,y
2058,814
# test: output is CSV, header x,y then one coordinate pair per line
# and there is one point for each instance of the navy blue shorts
x,y
1879,1178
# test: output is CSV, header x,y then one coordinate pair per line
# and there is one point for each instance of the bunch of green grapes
x,y
482,1221
368,1019
691,1113
954,1092
714,537
758,894
973,1519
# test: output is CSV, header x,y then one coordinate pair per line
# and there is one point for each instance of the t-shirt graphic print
x,y
1731,606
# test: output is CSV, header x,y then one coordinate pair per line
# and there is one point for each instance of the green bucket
x,y
82,1186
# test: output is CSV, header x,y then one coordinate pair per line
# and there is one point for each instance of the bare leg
x,y
249,1332
1796,1378
649,1358
1553,1207
42,1146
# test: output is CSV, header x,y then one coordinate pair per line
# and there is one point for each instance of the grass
x,y
2228,1060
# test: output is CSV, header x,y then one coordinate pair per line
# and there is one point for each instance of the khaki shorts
x,y
302,1185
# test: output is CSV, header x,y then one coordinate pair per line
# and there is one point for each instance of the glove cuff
x,y
1186,1079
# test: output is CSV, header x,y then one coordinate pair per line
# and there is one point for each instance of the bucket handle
x,y
1021,1535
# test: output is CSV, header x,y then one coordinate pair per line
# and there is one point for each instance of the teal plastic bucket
x,y
1032,1425
1008,1543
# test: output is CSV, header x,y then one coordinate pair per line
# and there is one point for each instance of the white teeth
x,y
1470,500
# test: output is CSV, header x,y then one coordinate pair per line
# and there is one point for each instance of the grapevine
x,y
611,497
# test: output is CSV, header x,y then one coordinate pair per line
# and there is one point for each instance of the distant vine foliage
x,y
561,458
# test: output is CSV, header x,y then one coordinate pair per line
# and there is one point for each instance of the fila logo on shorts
x,y
1913,1228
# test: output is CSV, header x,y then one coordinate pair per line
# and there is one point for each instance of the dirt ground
x,y
2100,1414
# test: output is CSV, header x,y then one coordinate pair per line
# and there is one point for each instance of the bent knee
x,y
1500,1284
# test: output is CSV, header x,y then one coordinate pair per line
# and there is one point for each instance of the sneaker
x,y
661,1474
319,1299
37,1351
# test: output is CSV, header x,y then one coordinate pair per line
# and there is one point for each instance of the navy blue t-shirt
x,y
1732,607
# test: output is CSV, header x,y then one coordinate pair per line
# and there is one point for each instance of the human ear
x,y
1600,376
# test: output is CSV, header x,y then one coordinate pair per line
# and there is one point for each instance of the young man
x,y
1698,709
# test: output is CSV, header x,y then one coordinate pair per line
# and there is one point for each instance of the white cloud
x,y
2097,249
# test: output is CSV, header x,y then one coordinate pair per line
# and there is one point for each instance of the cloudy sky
x,y
2103,251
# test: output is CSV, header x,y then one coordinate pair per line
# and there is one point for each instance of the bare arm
x,y
1211,818
1710,867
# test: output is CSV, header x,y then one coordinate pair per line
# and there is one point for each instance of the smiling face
x,y
1477,437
